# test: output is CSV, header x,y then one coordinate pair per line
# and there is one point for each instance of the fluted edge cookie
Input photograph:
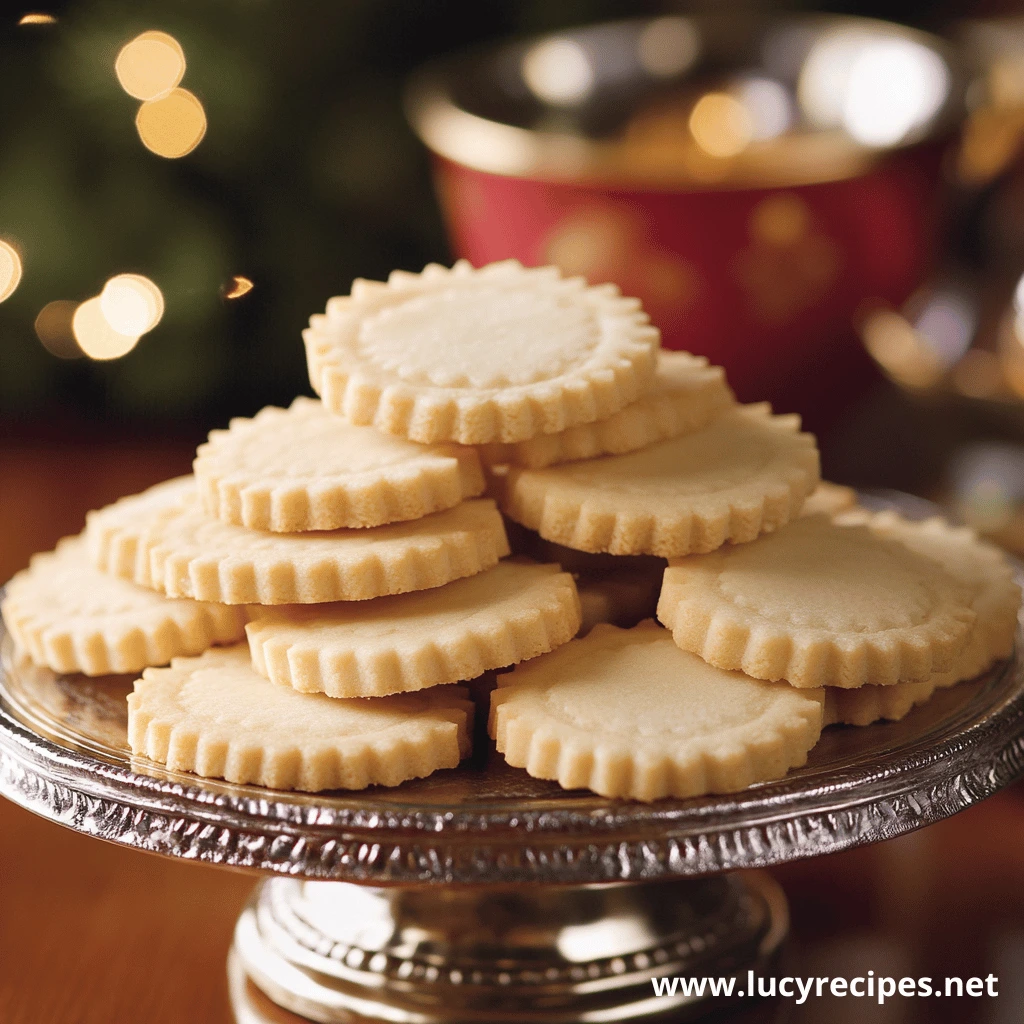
x,y
996,602
215,717
71,618
829,499
819,604
112,533
746,473
182,552
625,713
302,468
981,567
505,615
502,353
686,395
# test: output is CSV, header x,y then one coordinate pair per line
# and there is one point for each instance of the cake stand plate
x,y
410,904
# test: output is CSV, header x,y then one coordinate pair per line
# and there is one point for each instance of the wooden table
x,y
95,934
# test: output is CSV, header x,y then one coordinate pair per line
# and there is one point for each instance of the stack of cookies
x,y
342,556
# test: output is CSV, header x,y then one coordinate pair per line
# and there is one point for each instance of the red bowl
x,y
753,242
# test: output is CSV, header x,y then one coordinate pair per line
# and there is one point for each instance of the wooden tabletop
x,y
94,934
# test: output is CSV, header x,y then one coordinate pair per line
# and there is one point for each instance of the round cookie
x,y
625,713
459,631
686,395
70,617
179,550
981,567
829,499
819,604
995,600
302,468
475,356
215,717
869,704
745,474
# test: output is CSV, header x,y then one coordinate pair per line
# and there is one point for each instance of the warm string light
x,y
237,287
108,325
94,334
171,121
150,66
131,304
173,125
54,329
37,19
10,270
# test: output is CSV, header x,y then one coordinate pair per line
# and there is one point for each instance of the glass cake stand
x,y
480,894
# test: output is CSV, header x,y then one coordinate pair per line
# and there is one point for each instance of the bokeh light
x,y
768,105
900,351
558,71
978,374
173,125
895,87
237,287
721,125
131,304
150,66
53,328
37,18
96,338
881,90
10,270
668,46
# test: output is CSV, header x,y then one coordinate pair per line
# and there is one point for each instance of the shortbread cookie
x,y
474,356
72,618
829,499
819,604
745,474
302,468
182,552
981,567
868,704
112,533
215,717
996,601
687,394
459,631
627,714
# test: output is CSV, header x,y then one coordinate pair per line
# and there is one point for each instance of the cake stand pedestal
x,y
482,895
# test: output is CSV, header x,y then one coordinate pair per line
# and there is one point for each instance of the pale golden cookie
x,y
474,356
745,474
627,714
182,552
112,533
459,631
819,604
829,499
215,717
996,601
70,617
868,704
302,468
981,567
687,394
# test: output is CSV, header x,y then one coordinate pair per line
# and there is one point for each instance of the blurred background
x,y
209,174
833,210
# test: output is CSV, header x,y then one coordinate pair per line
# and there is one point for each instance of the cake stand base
x,y
531,954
